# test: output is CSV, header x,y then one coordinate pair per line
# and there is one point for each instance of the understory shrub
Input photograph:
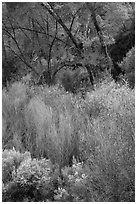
x,y
128,66
74,81
32,181
11,160
40,181
75,186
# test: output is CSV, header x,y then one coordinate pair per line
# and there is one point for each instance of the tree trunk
x,y
91,77
100,35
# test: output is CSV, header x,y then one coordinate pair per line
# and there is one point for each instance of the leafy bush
x,y
11,160
31,182
40,180
69,80
74,188
9,69
128,65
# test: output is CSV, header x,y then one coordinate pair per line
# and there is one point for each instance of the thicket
x,y
128,66
79,149
68,130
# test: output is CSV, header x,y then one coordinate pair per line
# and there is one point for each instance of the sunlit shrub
x,y
75,187
45,122
111,146
31,182
10,162
52,131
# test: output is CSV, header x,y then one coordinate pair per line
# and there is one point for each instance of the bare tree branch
x,y
22,58
25,62
37,31
51,46
59,20
100,34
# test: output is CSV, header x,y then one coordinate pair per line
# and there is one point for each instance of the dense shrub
x,y
75,80
128,65
11,160
53,126
45,123
69,80
31,181
13,102
112,143
99,131
75,187
40,180
9,69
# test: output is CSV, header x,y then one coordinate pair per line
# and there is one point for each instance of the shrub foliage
x,y
80,149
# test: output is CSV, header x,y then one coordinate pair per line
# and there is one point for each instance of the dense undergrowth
x,y
61,147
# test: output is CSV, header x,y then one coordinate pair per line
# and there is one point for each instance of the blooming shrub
x,y
11,160
31,181
75,184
